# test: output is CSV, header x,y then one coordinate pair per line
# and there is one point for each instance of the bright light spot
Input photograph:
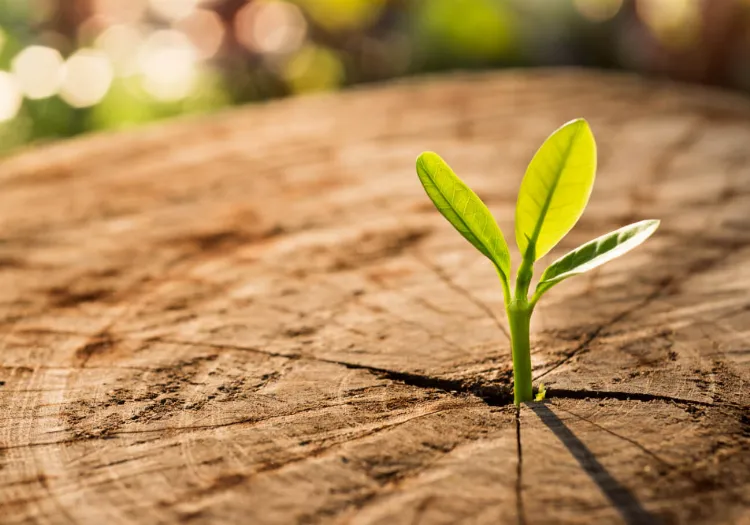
x,y
167,61
205,30
314,69
172,9
598,10
676,23
120,43
270,27
88,75
10,97
120,11
39,71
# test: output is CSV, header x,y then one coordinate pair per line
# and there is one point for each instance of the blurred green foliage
x,y
162,58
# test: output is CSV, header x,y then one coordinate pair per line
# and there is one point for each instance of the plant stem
x,y
519,318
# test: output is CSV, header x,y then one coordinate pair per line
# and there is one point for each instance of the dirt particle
x,y
180,304
383,275
213,241
300,331
225,482
99,344
11,263
274,231
374,246
186,517
106,273
227,239
62,297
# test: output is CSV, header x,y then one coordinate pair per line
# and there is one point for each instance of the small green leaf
x,y
555,189
463,209
595,253
541,393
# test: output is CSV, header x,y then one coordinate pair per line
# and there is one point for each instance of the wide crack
x,y
498,394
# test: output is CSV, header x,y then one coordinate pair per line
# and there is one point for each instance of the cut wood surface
x,y
259,317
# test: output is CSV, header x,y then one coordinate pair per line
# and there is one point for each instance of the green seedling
x,y
553,195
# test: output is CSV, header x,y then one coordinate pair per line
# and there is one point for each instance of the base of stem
x,y
519,318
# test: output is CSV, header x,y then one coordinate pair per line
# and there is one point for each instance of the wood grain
x,y
258,317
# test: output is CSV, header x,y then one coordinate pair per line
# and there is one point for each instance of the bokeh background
x,y
73,66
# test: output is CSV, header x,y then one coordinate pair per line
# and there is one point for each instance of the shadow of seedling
x,y
621,498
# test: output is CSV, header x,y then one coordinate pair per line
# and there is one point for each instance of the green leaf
x,y
541,393
555,189
595,253
463,209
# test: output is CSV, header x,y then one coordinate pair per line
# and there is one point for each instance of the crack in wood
x,y
592,336
564,393
618,494
445,278
520,509
694,267
633,442
494,394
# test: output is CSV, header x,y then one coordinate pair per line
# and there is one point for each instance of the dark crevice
x,y
564,393
494,394
43,443
520,510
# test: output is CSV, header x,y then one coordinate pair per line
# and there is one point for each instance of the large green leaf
x,y
595,253
555,189
463,209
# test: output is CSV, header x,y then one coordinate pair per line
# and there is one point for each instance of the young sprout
x,y
553,195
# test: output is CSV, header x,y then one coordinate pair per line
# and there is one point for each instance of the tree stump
x,y
259,317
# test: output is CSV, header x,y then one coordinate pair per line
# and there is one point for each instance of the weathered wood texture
x,y
258,317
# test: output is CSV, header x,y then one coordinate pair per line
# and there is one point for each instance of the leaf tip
x,y
651,225
579,122
579,125
426,160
